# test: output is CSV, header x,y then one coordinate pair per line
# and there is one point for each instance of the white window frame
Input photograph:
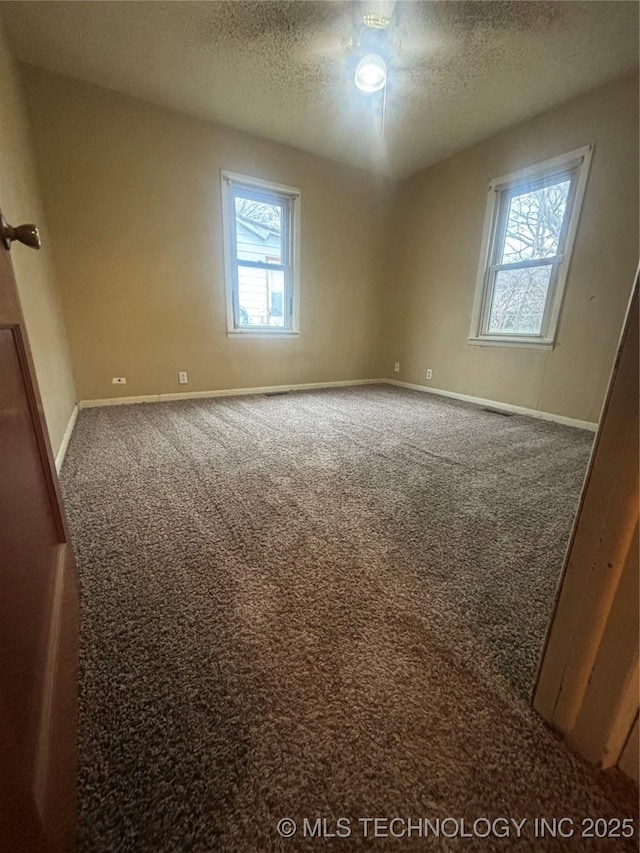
x,y
290,264
500,190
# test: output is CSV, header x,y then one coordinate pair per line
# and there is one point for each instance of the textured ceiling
x,y
458,71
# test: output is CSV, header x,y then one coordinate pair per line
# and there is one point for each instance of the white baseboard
x,y
62,450
224,392
505,407
274,389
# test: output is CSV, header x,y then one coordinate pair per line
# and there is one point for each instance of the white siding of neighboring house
x,y
254,285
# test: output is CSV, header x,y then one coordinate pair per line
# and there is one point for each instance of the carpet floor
x,y
325,604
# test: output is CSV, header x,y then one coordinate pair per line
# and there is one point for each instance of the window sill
x,y
254,334
511,342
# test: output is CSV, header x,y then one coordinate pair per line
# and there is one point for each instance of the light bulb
x,y
371,73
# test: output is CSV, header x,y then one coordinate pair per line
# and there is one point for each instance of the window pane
x,y
258,231
261,297
519,297
534,223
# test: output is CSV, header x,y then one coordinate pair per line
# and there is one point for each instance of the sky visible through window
x,y
259,212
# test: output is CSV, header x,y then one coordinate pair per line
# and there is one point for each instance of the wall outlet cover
x,y
119,380
182,377
429,374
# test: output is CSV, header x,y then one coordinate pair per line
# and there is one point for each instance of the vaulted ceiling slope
x,y
458,71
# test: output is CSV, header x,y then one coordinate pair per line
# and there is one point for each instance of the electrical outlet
x,y
396,367
182,377
119,380
429,373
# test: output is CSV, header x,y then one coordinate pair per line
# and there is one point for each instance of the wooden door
x,y
38,602
588,676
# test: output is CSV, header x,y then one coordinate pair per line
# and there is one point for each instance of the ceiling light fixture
x,y
376,22
371,73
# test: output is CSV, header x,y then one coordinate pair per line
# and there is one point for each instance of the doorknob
x,y
27,234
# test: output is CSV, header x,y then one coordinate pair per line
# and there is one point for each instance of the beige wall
x,y
20,202
133,192
439,221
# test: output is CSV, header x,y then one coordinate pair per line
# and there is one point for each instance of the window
x,y
261,224
530,226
